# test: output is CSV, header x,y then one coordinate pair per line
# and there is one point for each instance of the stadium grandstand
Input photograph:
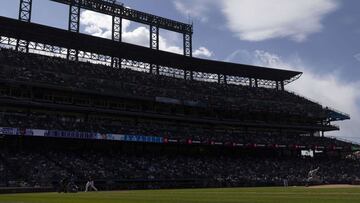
x,y
75,106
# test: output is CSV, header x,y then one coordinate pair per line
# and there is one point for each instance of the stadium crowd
x,y
166,129
46,167
36,168
126,82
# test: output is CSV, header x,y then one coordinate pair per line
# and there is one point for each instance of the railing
x,y
303,97
344,140
313,101
337,111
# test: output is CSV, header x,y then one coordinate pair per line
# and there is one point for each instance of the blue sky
x,y
319,37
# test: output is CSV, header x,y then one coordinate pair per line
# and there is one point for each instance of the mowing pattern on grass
x,y
233,195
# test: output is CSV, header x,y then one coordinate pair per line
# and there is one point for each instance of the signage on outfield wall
x,y
145,139
8,131
36,132
141,138
69,134
167,140
79,135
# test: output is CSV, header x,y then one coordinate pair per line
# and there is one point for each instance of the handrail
x,y
344,140
304,97
326,108
337,111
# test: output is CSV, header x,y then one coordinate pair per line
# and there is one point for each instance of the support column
x,y
154,37
154,44
25,10
188,75
222,79
117,37
188,45
116,29
25,16
282,85
74,26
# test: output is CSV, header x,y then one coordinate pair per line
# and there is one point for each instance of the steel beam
x,y
119,10
222,79
188,75
188,45
25,16
74,17
116,29
188,52
154,37
154,44
74,26
22,46
25,10
117,37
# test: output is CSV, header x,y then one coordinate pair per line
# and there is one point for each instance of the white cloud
x,y
241,56
197,9
203,52
100,25
257,20
327,89
357,56
95,24
139,36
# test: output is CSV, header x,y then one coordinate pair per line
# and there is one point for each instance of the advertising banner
x,y
8,131
70,134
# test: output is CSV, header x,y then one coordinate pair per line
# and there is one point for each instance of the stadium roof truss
x,y
25,36
112,8
118,12
41,39
73,45
335,115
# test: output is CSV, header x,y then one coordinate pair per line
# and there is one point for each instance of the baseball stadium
x,y
90,119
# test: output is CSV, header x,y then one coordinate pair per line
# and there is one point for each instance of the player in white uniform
x,y
90,184
312,176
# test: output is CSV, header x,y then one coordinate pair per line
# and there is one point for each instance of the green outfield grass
x,y
245,195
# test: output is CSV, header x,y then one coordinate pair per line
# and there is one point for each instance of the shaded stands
x,y
115,169
232,104
335,115
183,133
113,87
